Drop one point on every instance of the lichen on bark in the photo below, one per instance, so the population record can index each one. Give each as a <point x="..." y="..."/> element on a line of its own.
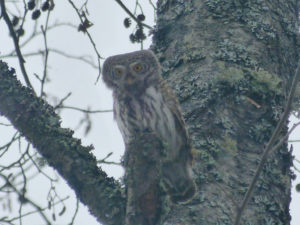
<point x="232" y="96"/>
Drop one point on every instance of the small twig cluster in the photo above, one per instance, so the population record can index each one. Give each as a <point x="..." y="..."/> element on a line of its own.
<point x="47" y="5"/>
<point x="83" y="26"/>
<point x="138" y="34"/>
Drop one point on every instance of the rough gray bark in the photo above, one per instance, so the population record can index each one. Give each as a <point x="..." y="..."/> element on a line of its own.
<point x="142" y="177"/>
<point x="231" y="64"/>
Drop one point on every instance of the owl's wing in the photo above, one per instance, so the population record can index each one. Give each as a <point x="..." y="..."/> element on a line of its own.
<point x="171" y="100"/>
<point x="177" y="174"/>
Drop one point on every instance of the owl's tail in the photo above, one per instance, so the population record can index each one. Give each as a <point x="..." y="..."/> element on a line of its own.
<point x="178" y="181"/>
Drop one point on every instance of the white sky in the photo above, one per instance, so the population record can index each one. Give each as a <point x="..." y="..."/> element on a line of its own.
<point x="67" y="75"/>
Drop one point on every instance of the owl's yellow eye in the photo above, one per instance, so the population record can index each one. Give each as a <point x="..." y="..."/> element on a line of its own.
<point x="137" y="67"/>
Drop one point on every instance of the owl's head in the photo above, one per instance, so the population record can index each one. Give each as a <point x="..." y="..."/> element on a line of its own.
<point x="132" y="72"/>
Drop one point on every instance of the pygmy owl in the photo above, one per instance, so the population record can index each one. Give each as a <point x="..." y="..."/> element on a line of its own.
<point x="143" y="101"/>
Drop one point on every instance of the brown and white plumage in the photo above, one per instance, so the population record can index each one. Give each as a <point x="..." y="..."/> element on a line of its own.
<point x="143" y="101"/>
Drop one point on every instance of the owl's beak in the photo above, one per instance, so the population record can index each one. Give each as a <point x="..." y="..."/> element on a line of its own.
<point x="129" y="79"/>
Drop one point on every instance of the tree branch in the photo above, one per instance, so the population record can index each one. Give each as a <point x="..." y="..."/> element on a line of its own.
<point x="37" y="121"/>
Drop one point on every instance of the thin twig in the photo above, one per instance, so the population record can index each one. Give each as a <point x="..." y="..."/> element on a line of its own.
<point x="81" y="58"/>
<point x="84" y="58"/>
<point x="37" y="207"/>
<point x="16" y="43"/>
<point x="6" y="125"/>
<point x="89" y="36"/>
<point x="44" y="31"/>
<point x="151" y="3"/>
<point x="138" y="5"/>
<point x="61" y="102"/>
<point x="7" y="145"/>
<point x="132" y="16"/>
<point x="268" y="148"/>
<point x="30" y="212"/>
<point x="285" y="137"/>
<point x="291" y="141"/>
<point x="36" y="33"/>
<point x="103" y="161"/>
<point x="40" y="170"/>
<point x="15" y="162"/>
<point x="75" y="213"/>
<point x="24" y="15"/>
<point x="33" y="35"/>
<point x="85" y="110"/>
<point x="295" y="168"/>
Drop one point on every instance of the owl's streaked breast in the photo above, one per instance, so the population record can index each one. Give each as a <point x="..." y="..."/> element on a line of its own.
<point x="147" y="111"/>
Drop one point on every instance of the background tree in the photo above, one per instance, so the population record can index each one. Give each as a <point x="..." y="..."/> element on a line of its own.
<point x="231" y="64"/>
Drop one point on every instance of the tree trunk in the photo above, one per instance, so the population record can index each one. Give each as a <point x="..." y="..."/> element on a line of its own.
<point x="231" y="64"/>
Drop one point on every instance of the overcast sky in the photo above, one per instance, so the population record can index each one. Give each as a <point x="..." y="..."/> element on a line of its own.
<point x="68" y="75"/>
